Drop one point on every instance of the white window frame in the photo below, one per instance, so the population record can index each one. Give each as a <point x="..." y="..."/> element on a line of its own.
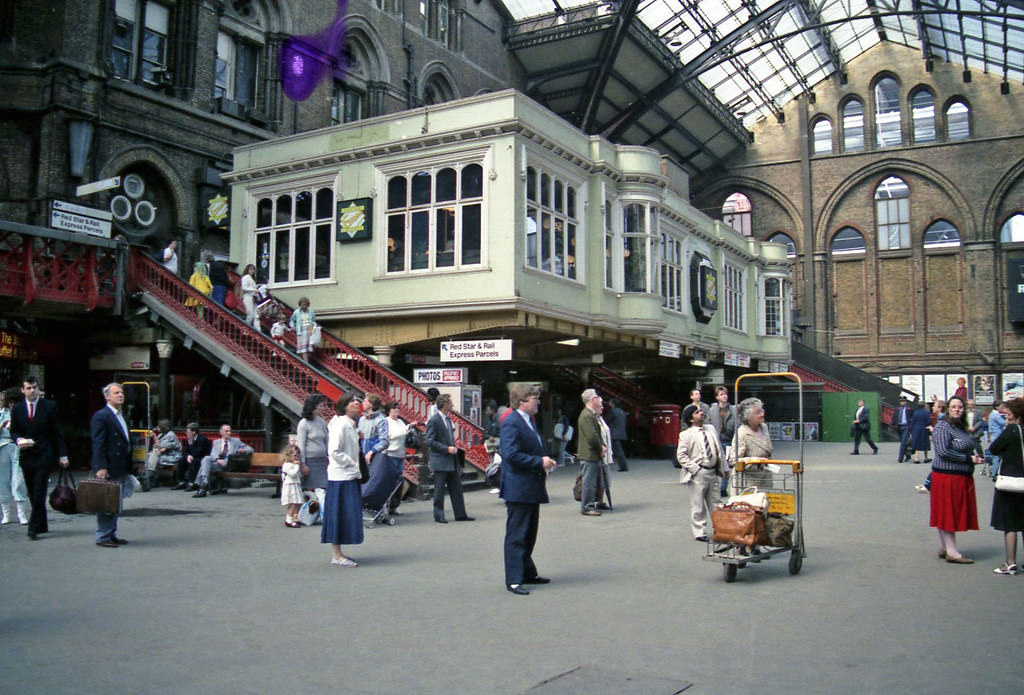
<point x="313" y="185"/>
<point x="773" y="304"/>
<point x="733" y="316"/>
<point x="892" y="217"/>
<point x="409" y="168"/>
<point x="671" y="254"/>
<point x="534" y="212"/>
<point x="644" y="241"/>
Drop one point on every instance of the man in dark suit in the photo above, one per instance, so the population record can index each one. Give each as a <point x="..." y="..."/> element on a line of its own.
<point x="40" y="440"/>
<point x="111" y="456"/>
<point x="901" y="424"/>
<point x="193" y="451"/>
<point x="524" y="470"/>
<point x="862" y="428"/>
<point x="444" y="461"/>
<point x="616" y="420"/>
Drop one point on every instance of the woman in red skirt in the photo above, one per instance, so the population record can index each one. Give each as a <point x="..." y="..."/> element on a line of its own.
<point x="954" y="506"/>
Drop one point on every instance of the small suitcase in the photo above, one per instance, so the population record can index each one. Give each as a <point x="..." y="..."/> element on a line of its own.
<point x="97" y="496"/>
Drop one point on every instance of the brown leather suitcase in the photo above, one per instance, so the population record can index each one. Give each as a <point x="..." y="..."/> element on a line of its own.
<point x="97" y="496"/>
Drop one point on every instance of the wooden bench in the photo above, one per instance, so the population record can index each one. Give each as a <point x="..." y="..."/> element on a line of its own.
<point x="261" y="467"/>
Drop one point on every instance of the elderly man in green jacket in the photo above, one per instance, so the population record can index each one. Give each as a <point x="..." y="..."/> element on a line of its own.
<point x="590" y="451"/>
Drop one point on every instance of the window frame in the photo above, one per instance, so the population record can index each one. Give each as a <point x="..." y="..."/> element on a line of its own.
<point x="637" y="241"/>
<point x="919" y="124"/>
<point x="411" y="212"/>
<point x="815" y="139"/>
<point x="541" y="207"/>
<point x="968" y="128"/>
<point x="848" y="132"/>
<point x="671" y="269"/>
<point x="861" y="251"/>
<point x="888" y="114"/>
<point x="733" y="314"/>
<point x="777" y="301"/>
<point x="885" y="209"/>
<point x="743" y="218"/>
<point x="135" y="53"/>
<point x="314" y="224"/>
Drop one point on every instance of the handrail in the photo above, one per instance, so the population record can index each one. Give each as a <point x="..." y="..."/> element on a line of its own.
<point x="256" y="351"/>
<point x="362" y="372"/>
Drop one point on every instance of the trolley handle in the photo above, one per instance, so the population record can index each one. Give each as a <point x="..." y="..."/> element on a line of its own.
<point x="742" y="463"/>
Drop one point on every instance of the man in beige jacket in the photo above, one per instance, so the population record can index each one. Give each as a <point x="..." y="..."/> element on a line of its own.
<point x="703" y="464"/>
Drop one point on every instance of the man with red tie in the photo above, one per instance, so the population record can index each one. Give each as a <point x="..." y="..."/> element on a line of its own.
<point x="40" y="440"/>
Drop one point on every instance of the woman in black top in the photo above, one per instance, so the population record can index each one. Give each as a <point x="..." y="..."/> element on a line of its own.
<point x="1008" y="507"/>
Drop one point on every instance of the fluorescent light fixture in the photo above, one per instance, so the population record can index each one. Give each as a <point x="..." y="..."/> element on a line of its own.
<point x="699" y="363"/>
<point x="571" y="342"/>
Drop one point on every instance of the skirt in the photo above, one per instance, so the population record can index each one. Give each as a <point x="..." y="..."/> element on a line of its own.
<point x="342" y="513"/>
<point x="1008" y="511"/>
<point x="317" y="476"/>
<point x="954" y="506"/>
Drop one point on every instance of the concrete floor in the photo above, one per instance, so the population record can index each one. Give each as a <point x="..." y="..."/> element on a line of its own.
<point x="215" y="596"/>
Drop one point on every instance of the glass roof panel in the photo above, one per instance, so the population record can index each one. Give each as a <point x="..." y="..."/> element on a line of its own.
<point x="769" y="64"/>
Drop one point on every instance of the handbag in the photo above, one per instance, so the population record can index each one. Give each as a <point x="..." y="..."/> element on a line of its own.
<point x="364" y="470"/>
<point x="778" y="530"/>
<point x="309" y="512"/>
<point x="1012" y="483"/>
<point x="751" y="496"/>
<point x="63" y="498"/>
<point x="738" y="523"/>
<point x="97" y="496"/>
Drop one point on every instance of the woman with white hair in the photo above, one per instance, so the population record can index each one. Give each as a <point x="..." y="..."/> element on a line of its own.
<point x="751" y="441"/>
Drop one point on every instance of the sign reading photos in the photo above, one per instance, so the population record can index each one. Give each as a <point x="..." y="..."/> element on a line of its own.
<point x="355" y="220"/>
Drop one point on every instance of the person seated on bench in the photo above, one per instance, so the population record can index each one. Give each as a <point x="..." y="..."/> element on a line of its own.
<point x="194" y="450"/>
<point x="217" y="461"/>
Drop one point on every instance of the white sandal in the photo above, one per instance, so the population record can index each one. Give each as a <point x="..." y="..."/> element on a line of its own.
<point x="1006" y="569"/>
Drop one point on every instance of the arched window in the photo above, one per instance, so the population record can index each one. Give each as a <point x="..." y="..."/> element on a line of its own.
<point x="887" y="113"/>
<point x="958" y="121"/>
<point x="847" y="241"/>
<point x="736" y="213"/>
<point x="922" y="108"/>
<point x="892" y="212"/>
<point x="437" y="90"/>
<point x="941" y="234"/>
<point x="822" y="132"/>
<point x="1013" y="229"/>
<point x="853" y="126"/>
<point x="138" y="48"/>
<point x="783" y="238"/>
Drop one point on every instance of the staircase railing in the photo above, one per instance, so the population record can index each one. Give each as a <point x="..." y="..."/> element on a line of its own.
<point x="351" y="366"/>
<point x="285" y="376"/>
<point x="637" y="400"/>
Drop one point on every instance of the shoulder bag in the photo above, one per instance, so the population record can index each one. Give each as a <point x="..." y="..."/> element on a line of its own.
<point x="1012" y="483"/>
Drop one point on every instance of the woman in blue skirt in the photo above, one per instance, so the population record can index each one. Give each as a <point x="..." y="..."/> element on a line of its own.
<point x="343" y="505"/>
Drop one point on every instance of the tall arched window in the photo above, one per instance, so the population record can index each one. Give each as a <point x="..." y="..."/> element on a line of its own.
<point x="922" y="108"/>
<point x="892" y="212"/>
<point x="847" y="241"/>
<point x="783" y="238"/>
<point x="887" y="113"/>
<point x="822" y="133"/>
<point x="941" y="234"/>
<point x="437" y="90"/>
<point x="736" y="213"/>
<point x="958" y="121"/>
<point x="853" y="126"/>
<point x="1013" y="229"/>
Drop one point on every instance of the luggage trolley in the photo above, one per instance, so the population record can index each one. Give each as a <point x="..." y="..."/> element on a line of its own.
<point x="782" y="483"/>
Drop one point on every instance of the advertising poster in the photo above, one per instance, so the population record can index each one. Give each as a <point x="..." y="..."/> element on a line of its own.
<point x="810" y="431"/>
<point x="1013" y="385"/>
<point x="983" y="387"/>
<point x="787" y="431"/>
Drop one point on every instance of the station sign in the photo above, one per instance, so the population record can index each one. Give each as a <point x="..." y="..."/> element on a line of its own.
<point x="80" y="219"/>
<point x="445" y="375"/>
<point x="666" y="348"/>
<point x="476" y="350"/>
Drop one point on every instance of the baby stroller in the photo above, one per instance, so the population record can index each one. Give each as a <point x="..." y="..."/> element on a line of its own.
<point x="384" y="483"/>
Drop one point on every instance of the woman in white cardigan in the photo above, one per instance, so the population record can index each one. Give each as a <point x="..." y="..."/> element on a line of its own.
<point x="343" y="503"/>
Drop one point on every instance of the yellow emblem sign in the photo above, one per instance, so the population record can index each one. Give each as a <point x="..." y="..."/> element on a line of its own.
<point x="217" y="209"/>
<point x="352" y="220"/>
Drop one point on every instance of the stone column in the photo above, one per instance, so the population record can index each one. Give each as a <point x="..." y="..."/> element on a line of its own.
<point x="383" y="353"/>
<point x="164" y="349"/>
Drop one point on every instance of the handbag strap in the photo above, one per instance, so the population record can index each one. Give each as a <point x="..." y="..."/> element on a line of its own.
<point x="64" y="477"/>
<point x="1020" y="432"/>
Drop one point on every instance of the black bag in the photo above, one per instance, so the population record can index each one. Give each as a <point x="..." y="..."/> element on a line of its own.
<point x="63" y="498"/>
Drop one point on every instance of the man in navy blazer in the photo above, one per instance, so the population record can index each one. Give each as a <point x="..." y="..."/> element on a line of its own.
<point x="111" y="456"/>
<point x="36" y="430"/>
<point x="524" y="470"/>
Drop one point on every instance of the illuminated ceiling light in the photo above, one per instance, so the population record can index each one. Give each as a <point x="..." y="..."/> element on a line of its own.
<point x="571" y="342"/>
<point x="699" y="363"/>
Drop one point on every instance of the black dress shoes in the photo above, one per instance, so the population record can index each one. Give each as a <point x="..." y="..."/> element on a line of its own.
<point x="180" y="486"/>
<point x="466" y="518"/>
<point x="201" y="493"/>
<point x="701" y="539"/>
<point x="32" y="536"/>
<point x="537" y="580"/>
<point x="854" y="453"/>
<point x="514" y="588"/>
<point x="107" y="544"/>
<point x="119" y="541"/>
<point x="441" y="521"/>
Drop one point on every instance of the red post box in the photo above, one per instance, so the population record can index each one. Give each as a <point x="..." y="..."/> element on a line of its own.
<point x="665" y="428"/>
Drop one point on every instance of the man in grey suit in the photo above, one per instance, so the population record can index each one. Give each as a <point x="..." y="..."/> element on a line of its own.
<point x="444" y="461"/>
<point x="217" y="461"/>
<point x="111" y="457"/>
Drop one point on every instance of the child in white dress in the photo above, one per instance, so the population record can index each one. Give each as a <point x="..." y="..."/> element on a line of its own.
<point x="291" y="485"/>
<point x="277" y="330"/>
